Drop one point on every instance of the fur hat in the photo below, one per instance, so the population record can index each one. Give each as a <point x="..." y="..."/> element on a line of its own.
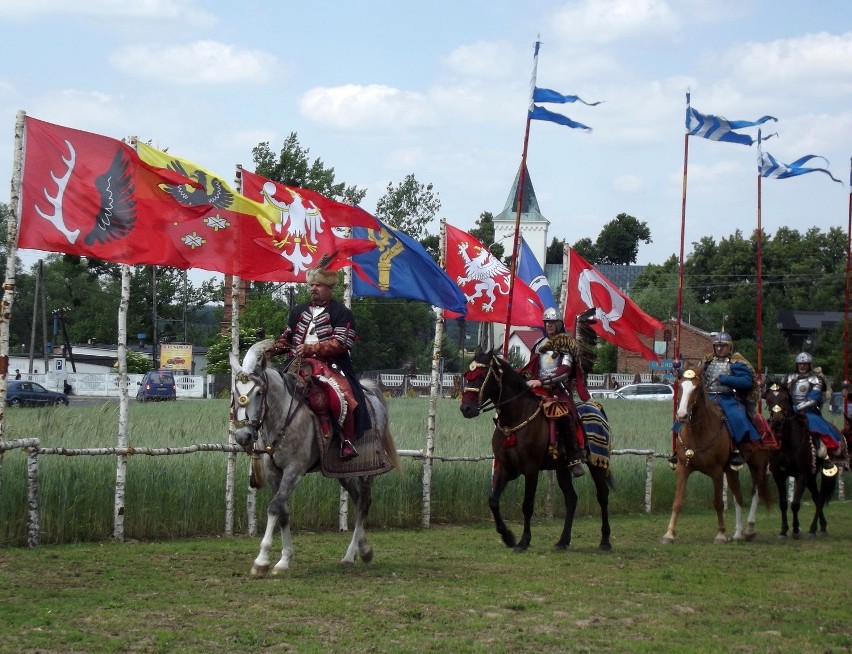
<point x="320" y="275"/>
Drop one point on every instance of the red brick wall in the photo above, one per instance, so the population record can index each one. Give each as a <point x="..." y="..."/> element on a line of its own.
<point x="695" y="344"/>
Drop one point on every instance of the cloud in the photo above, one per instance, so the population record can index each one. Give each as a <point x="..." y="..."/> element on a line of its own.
<point x="628" y="183"/>
<point x="357" y="106"/>
<point x="198" y="63"/>
<point x="812" y="61"/>
<point x="605" y="21"/>
<point x="491" y="60"/>
<point x="186" y="11"/>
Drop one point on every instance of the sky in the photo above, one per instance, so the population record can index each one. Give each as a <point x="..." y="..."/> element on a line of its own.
<point x="381" y="89"/>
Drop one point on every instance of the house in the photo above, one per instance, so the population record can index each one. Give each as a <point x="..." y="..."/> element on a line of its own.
<point x="799" y="327"/>
<point x="521" y="342"/>
<point x="695" y="345"/>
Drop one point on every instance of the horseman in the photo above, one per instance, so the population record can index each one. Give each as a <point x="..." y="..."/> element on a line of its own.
<point x="552" y="372"/>
<point x="730" y="382"/>
<point x="807" y="390"/>
<point x="323" y="332"/>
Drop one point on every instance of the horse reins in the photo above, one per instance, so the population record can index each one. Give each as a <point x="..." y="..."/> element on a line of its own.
<point x="260" y="382"/>
<point x="486" y="404"/>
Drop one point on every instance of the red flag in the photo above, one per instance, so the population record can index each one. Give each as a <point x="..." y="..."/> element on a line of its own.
<point x="303" y="224"/>
<point x="618" y="319"/>
<point x="91" y="195"/>
<point x="484" y="280"/>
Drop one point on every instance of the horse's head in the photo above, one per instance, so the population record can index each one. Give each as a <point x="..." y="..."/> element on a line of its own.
<point x="691" y="385"/>
<point x="779" y="402"/>
<point x="479" y="382"/>
<point x="248" y="401"/>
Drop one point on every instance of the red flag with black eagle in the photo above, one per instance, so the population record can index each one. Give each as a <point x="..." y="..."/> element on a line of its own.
<point x="91" y="195"/>
<point x="617" y="318"/>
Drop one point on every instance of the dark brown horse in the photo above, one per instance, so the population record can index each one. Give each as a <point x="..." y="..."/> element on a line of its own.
<point x="796" y="458"/>
<point x="703" y="445"/>
<point x="521" y="446"/>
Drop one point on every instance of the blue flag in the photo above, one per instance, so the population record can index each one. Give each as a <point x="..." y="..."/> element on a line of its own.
<point x="530" y="272"/>
<point x="548" y="95"/>
<point x="540" y="113"/>
<point x="717" y="128"/>
<point x="400" y="267"/>
<point x="772" y="168"/>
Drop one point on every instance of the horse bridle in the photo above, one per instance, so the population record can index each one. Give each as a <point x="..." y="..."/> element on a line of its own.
<point x="245" y="386"/>
<point x="691" y="375"/>
<point x="486" y="404"/>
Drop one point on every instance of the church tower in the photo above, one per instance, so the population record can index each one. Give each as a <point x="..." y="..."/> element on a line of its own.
<point x="533" y="225"/>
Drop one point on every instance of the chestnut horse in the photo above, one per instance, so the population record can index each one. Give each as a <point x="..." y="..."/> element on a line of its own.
<point x="703" y="445"/>
<point x="796" y="458"/>
<point x="520" y="444"/>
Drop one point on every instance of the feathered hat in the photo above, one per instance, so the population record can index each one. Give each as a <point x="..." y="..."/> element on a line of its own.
<point x="321" y="274"/>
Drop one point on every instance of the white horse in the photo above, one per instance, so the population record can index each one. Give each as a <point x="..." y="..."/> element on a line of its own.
<point x="275" y="424"/>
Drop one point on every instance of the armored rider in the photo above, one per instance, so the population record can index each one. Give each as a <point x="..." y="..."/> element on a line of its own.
<point x="730" y="382"/>
<point x="807" y="390"/>
<point x="323" y="329"/>
<point x="553" y="368"/>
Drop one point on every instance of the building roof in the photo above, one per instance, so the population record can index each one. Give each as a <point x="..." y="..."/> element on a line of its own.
<point x="807" y="321"/>
<point x="530" y="211"/>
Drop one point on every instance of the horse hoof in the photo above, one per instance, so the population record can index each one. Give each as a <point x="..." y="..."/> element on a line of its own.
<point x="720" y="539"/>
<point x="560" y="547"/>
<point x="667" y="540"/>
<point x="519" y="549"/>
<point x="822" y="534"/>
<point x="782" y="537"/>
<point x="259" y="570"/>
<point x="750" y="536"/>
<point x="346" y="563"/>
<point x="367" y="555"/>
<point x="796" y="536"/>
<point x="605" y="547"/>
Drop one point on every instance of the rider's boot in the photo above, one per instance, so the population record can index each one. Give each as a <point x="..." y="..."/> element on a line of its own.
<point x="736" y="461"/>
<point x="347" y="436"/>
<point x="829" y="469"/>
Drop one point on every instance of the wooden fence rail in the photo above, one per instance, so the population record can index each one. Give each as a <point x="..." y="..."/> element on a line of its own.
<point x="31" y="445"/>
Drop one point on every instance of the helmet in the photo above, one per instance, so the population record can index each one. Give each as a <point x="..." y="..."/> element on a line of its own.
<point x="723" y="338"/>
<point x="804" y="357"/>
<point x="551" y="314"/>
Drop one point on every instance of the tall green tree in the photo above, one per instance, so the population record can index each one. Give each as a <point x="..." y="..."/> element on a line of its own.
<point x="555" y="250"/>
<point x="293" y="166"/>
<point x="409" y="206"/>
<point x="618" y="242"/>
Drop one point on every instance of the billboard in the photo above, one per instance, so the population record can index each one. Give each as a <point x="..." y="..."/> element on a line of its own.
<point x="175" y="356"/>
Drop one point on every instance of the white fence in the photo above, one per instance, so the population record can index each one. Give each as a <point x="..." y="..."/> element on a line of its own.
<point x="105" y="384"/>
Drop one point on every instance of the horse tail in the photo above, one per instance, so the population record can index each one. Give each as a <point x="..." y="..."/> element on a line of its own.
<point x="826" y="488"/>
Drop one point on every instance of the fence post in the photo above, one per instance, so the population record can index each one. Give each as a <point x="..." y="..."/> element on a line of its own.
<point x="649" y="478"/>
<point x="33" y="508"/>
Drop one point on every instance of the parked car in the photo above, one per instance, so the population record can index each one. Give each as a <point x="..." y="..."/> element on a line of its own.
<point x="602" y="393"/>
<point x="647" y="391"/>
<point x="157" y="385"/>
<point x="27" y="393"/>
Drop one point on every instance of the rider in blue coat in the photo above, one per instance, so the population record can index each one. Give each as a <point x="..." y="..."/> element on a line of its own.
<point x="729" y="381"/>
<point x="807" y="389"/>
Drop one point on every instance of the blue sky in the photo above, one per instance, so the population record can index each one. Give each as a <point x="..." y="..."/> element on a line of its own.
<point x="381" y="89"/>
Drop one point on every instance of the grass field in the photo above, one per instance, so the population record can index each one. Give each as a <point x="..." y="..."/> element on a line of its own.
<point x="445" y="589"/>
<point x="184" y="496"/>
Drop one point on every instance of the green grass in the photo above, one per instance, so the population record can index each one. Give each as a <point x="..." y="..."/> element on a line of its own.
<point x="183" y="496"/>
<point x="445" y="589"/>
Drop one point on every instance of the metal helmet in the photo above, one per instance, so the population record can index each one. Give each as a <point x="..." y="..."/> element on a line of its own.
<point x="804" y="357"/>
<point x="551" y="314"/>
<point x="723" y="338"/>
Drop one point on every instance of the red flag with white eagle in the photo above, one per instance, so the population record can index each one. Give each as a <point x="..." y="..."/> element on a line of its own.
<point x="618" y="319"/>
<point x="307" y="224"/>
<point x="484" y="280"/>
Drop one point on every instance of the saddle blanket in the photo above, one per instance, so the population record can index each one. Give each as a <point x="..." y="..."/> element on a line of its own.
<point x="598" y="436"/>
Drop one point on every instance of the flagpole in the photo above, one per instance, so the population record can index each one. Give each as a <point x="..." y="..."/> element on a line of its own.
<point x="11" y="248"/>
<point x="521" y="181"/>
<point x="846" y="305"/>
<point x="676" y="364"/>
<point x="759" y="317"/>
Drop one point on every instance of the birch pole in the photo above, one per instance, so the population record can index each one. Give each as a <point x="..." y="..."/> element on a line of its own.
<point x="343" y="497"/>
<point x="11" y="253"/>
<point x="230" y="475"/>
<point x="121" y="460"/>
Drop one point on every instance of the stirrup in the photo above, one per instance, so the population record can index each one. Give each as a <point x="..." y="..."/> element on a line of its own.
<point x="829" y="469"/>
<point x="347" y="450"/>
<point x="672" y="460"/>
<point x="577" y="469"/>
<point x="736" y="461"/>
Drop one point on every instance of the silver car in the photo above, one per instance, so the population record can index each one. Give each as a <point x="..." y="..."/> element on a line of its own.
<point x="648" y="391"/>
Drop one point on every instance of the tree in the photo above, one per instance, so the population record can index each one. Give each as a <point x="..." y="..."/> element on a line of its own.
<point x="293" y="167"/>
<point x="484" y="232"/>
<point x="618" y="242"/>
<point x="586" y="249"/>
<point x="555" y="251"/>
<point x="409" y="207"/>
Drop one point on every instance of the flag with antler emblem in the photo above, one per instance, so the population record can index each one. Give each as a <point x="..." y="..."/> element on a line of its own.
<point x="484" y="280"/>
<point x="91" y="195"/>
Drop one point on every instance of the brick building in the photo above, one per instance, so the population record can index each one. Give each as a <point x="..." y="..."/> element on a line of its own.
<point x="695" y="345"/>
